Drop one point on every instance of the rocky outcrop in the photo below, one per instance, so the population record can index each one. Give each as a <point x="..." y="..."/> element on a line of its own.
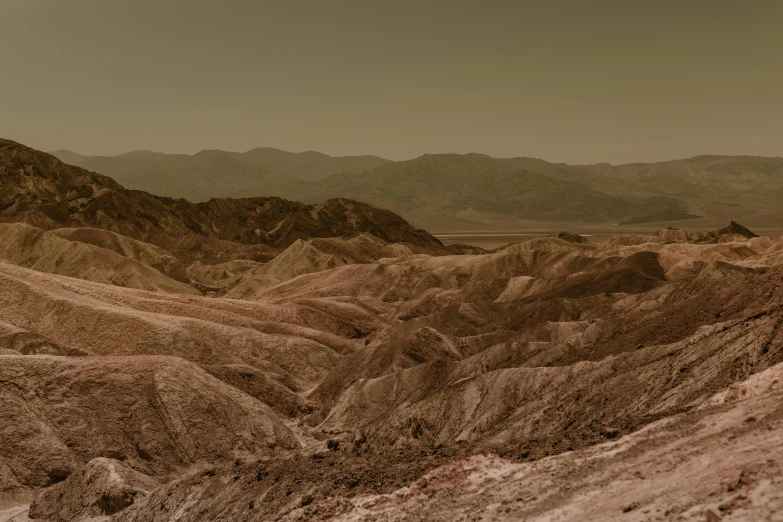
<point x="735" y="229"/>
<point x="731" y="233"/>
<point x="571" y="238"/>
<point x="102" y="487"/>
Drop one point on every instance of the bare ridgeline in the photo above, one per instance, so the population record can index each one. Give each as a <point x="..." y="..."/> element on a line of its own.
<point x="261" y="359"/>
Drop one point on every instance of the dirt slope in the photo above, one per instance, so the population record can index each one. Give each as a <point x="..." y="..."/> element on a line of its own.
<point x="156" y="414"/>
<point x="320" y="383"/>
<point x="107" y="320"/>
<point x="722" y="462"/>
<point x="59" y="253"/>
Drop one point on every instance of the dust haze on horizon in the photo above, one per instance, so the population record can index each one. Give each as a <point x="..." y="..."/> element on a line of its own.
<point x="610" y="81"/>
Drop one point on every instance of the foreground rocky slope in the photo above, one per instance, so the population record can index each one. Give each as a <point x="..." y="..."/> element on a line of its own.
<point x="353" y="378"/>
<point x="719" y="462"/>
<point x="354" y="367"/>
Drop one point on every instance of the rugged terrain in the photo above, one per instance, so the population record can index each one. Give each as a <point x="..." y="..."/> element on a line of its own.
<point x="164" y="364"/>
<point x="40" y="190"/>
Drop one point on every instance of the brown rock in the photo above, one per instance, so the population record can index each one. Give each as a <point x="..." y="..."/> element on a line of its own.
<point x="102" y="487"/>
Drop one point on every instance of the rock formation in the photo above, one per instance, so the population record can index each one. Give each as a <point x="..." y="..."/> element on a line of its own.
<point x="161" y="361"/>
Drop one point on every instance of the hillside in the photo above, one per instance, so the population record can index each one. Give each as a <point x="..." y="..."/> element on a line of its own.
<point x="260" y="359"/>
<point x="41" y="190"/>
<point x="470" y="191"/>
<point x="346" y="369"/>
<point x="418" y="364"/>
<point x="451" y="183"/>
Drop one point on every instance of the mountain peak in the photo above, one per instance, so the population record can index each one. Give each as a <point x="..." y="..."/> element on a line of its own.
<point x="737" y="229"/>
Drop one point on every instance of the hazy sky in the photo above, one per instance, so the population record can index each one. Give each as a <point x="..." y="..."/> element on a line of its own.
<point x="576" y="81"/>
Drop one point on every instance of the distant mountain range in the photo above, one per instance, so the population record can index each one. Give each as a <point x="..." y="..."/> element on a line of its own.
<point x="215" y="173"/>
<point x="468" y="191"/>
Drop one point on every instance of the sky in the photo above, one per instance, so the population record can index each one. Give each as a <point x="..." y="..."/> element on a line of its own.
<point x="570" y="81"/>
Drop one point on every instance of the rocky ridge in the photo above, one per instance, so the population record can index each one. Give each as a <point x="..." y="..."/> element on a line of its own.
<point x="40" y="190"/>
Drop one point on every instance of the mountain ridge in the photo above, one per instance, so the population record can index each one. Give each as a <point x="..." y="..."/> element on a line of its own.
<point x="39" y="189"/>
<point x="437" y="194"/>
<point x="478" y="182"/>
